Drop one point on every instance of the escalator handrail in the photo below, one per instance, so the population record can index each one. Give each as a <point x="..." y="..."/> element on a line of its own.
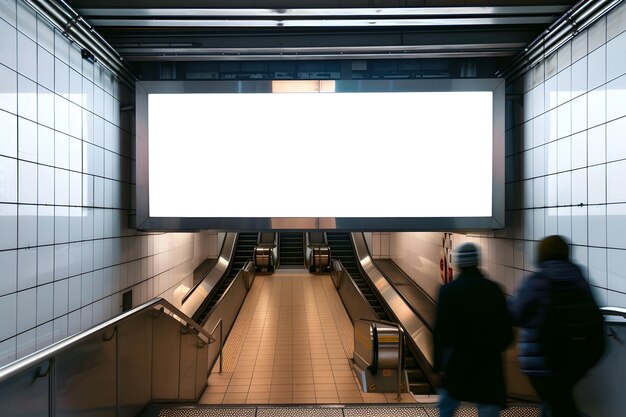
<point x="353" y="283"/>
<point x="613" y="311"/>
<point x="196" y="295"/>
<point x="413" y="309"/>
<point x="248" y="267"/>
<point x="357" y="262"/>
<point x="64" y="345"/>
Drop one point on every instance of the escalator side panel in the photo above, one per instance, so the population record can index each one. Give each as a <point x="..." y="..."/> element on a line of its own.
<point x="244" y="251"/>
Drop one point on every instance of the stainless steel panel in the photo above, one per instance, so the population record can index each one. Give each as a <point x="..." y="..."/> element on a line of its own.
<point x="226" y="309"/>
<point x="26" y="394"/>
<point x="166" y="357"/>
<point x="134" y="364"/>
<point x="85" y="378"/>
<point x="353" y="300"/>
<point x="363" y="353"/>
<point x="262" y="256"/>
<point x="202" y="367"/>
<point x="388" y="346"/>
<point x="336" y="273"/>
<point x="601" y="393"/>
<point x="188" y="357"/>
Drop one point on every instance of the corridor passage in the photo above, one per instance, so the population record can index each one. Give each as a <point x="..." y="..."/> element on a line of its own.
<point x="292" y="343"/>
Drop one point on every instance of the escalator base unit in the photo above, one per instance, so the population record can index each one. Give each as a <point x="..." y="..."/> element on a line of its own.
<point x="386" y="380"/>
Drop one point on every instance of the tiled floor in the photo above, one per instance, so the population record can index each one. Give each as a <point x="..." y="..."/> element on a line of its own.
<point x="291" y="343"/>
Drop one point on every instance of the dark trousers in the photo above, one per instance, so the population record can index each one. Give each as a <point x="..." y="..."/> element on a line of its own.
<point x="556" y="395"/>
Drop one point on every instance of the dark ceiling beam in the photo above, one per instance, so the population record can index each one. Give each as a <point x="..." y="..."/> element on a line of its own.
<point x="315" y="57"/>
<point x="140" y="53"/>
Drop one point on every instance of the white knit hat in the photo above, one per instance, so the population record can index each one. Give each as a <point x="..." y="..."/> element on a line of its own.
<point x="466" y="255"/>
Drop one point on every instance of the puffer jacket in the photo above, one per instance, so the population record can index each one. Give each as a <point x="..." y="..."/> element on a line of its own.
<point x="530" y="306"/>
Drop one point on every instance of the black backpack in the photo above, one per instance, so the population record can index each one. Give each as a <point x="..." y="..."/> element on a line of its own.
<point x="572" y="337"/>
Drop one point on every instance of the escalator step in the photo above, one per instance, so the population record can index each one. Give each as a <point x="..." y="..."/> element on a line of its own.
<point x="420" y="388"/>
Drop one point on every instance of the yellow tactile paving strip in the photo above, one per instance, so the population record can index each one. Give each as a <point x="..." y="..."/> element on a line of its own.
<point x="291" y="344"/>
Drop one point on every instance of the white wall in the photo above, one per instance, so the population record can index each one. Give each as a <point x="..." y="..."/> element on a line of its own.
<point x="66" y="181"/>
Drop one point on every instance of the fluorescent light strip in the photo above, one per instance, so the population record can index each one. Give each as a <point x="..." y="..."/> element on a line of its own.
<point x="213" y="23"/>
<point x="374" y="12"/>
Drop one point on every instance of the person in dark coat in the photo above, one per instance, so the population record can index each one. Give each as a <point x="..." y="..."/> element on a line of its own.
<point x="529" y="310"/>
<point x="472" y="329"/>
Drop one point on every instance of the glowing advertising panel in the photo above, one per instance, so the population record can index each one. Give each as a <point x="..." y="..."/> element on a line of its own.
<point x="394" y="160"/>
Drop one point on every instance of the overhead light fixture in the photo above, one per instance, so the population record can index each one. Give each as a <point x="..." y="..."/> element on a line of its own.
<point x="87" y="55"/>
<point x="322" y="22"/>
<point x="321" y="12"/>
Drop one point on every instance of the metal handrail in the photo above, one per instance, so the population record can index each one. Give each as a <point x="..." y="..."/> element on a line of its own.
<point x="345" y="271"/>
<point x="248" y="264"/>
<point x="55" y="349"/>
<point x="221" y="326"/>
<point x="223" y="262"/>
<point x="613" y="311"/>
<point x="248" y="269"/>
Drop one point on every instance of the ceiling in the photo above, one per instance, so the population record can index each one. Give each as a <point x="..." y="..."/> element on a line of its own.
<point x="249" y="30"/>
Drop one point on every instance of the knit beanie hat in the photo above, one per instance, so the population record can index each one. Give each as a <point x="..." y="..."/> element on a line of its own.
<point x="552" y="248"/>
<point x="466" y="255"/>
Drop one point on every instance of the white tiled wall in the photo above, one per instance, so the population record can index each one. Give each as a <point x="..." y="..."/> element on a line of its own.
<point x="565" y="170"/>
<point x="66" y="161"/>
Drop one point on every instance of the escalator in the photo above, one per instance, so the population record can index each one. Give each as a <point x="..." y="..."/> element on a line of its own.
<point x="341" y="249"/>
<point x="244" y="251"/>
<point x="291" y="249"/>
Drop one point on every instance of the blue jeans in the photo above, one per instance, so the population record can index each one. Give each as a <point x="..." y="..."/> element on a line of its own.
<point x="448" y="405"/>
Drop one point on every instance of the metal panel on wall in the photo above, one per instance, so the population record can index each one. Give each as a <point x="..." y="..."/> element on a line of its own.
<point x="166" y="358"/>
<point x="202" y="365"/>
<point x="134" y="364"/>
<point x="188" y="355"/>
<point x="26" y="394"/>
<point x="226" y="309"/>
<point x="85" y="378"/>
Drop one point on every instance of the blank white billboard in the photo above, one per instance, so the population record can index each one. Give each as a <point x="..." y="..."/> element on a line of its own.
<point x="390" y="154"/>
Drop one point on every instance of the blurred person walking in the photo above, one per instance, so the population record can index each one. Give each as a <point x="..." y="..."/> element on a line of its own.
<point x="472" y="329"/>
<point x="562" y="329"/>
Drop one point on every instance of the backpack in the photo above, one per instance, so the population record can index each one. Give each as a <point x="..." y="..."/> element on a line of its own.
<point x="572" y="336"/>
